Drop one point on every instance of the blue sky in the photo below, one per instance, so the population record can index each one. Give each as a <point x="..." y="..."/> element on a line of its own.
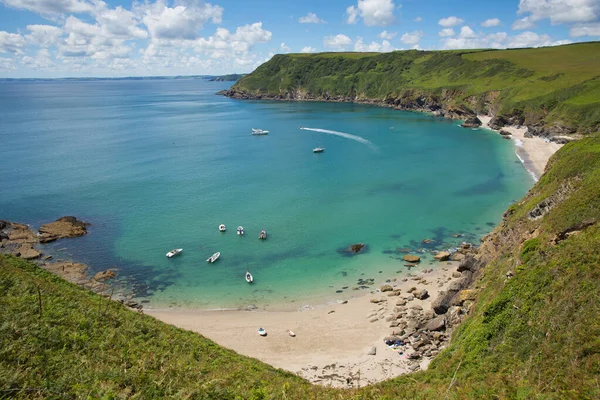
<point x="61" y="38"/>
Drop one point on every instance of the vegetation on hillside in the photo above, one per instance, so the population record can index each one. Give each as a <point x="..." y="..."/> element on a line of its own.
<point x="533" y="331"/>
<point x="555" y="88"/>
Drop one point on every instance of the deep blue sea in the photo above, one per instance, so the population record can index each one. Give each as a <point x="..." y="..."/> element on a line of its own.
<point x="159" y="164"/>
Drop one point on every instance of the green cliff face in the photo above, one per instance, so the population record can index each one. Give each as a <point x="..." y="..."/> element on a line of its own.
<point x="554" y="90"/>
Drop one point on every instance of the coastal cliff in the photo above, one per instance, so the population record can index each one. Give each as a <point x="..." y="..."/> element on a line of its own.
<point x="558" y="97"/>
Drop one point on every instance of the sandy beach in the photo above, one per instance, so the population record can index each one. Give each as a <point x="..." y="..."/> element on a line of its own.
<point x="332" y="342"/>
<point x="533" y="152"/>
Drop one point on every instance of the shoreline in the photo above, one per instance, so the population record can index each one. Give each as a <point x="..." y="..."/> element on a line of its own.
<point x="333" y="341"/>
<point x="533" y="152"/>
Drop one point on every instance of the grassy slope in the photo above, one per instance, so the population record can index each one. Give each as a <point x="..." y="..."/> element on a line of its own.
<point x="535" y="335"/>
<point x="558" y="84"/>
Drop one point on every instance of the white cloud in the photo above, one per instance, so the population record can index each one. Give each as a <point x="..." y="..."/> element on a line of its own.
<point x="467" y="39"/>
<point x="450" y="21"/>
<point x="592" y="29"/>
<point x="284" y="48"/>
<point x="466" y="32"/>
<point x="446" y="32"/>
<point x="489" y="23"/>
<point x="42" y="60"/>
<point x="308" y="49"/>
<point x="11" y="42"/>
<point x="387" y="35"/>
<point x="382" y="47"/>
<point x="310" y="18"/>
<point x="373" y="12"/>
<point x="560" y="11"/>
<point x="52" y="7"/>
<point x="43" y="35"/>
<point x="523" y="23"/>
<point x="337" y="42"/>
<point x="7" y="64"/>
<point x="224" y="43"/>
<point x="412" y="37"/>
<point x="418" y="19"/>
<point x="179" y="22"/>
<point x="120" y="23"/>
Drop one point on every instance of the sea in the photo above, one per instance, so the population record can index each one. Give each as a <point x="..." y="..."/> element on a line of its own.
<point x="155" y="165"/>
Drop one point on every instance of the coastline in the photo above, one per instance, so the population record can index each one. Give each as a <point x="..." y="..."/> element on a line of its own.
<point x="332" y="341"/>
<point x="533" y="152"/>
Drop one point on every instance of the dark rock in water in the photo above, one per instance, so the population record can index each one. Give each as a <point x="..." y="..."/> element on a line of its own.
<point x="65" y="227"/>
<point x="339" y="291"/>
<point x="403" y="250"/>
<point x="504" y="132"/>
<point x="344" y="287"/>
<point x="387" y="252"/>
<point x="471" y="122"/>
<point x="427" y="241"/>
<point x="354" y="249"/>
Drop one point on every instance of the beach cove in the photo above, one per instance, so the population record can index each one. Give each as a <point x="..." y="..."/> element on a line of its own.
<point x="335" y="331"/>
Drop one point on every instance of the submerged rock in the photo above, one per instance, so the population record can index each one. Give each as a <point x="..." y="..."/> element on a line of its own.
<point x="471" y="122"/>
<point x="354" y="249"/>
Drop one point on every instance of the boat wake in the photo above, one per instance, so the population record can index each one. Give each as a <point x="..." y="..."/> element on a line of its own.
<point x="344" y="135"/>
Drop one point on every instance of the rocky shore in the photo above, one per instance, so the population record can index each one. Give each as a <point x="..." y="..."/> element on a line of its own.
<point x="22" y="241"/>
<point x="443" y="104"/>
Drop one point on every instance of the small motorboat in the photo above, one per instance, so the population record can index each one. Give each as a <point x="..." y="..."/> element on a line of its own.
<point x="222" y="228"/>
<point x="318" y="149"/>
<point x="214" y="257"/>
<point x="262" y="331"/>
<point x="263" y="235"/>
<point x="249" y="277"/>
<point x="174" y="252"/>
<point x="291" y="333"/>
<point x="259" y="132"/>
<point x="240" y="230"/>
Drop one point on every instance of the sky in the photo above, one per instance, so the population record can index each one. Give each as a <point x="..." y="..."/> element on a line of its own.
<point x="115" y="38"/>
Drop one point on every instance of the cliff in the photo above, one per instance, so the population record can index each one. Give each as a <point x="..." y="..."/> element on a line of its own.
<point x="555" y="91"/>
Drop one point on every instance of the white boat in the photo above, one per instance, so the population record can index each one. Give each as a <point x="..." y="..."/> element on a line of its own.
<point x="318" y="149"/>
<point x="214" y="257"/>
<point x="222" y="228"/>
<point x="249" y="277"/>
<point x="262" y="331"/>
<point x="259" y="132"/>
<point x="174" y="252"/>
<point x="263" y="234"/>
<point x="240" y="230"/>
<point x="291" y="333"/>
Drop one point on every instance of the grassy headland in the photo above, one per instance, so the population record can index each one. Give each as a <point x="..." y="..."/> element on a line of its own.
<point x="533" y="330"/>
<point x="554" y="90"/>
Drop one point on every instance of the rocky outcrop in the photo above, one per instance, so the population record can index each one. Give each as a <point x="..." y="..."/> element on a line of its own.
<point x="442" y="256"/>
<point x="471" y="122"/>
<point x="411" y="258"/>
<point x="65" y="227"/>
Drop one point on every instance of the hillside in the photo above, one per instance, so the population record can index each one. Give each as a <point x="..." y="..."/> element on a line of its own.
<point x="553" y="90"/>
<point x="533" y="330"/>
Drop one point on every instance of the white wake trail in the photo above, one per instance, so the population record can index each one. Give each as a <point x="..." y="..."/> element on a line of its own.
<point x="344" y="135"/>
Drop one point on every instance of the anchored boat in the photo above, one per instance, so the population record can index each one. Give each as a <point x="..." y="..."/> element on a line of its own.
<point x="259" y="132"/>
<point x="318" y="149"/>
<point x="249" y="277"/>
<point x="263" y="235"/>
<point x="214" y="257"/>
<point x="222" y="228"/>
<point x="240" y="230"/>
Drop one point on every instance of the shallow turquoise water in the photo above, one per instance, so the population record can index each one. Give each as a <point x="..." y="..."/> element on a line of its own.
<point x="155" y="165"/>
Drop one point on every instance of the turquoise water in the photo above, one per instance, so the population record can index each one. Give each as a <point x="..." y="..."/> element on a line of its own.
<point x="156" y="165"/>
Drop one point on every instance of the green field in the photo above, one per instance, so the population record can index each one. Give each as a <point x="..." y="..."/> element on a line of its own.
<point x="535" y="335"/>
<point x="550" y="87"/>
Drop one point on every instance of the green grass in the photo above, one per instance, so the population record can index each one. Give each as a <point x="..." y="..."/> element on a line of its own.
<point x="553" y="85"/>
<point x="535" y="335"/>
